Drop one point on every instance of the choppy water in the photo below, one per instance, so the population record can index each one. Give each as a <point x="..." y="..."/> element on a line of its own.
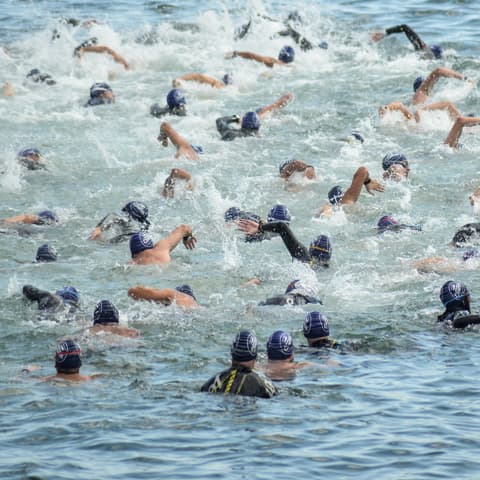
<point x="404" y="406"/>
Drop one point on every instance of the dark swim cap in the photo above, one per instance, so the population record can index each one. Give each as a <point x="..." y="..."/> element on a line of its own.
<point x="46" y="253"/>
<point x="321" y="248"/>
<point x="470" y="253"/>
<point x="386" y="221"/>
<point x="233" y="213"/>
<point x="68" y="356"/>
<point x="175" y="98"/>
<point x="279" y="346"/>
<point x="97" y="89"/>
<point x="227" y="79"/>
<point x="287" y="54"/>
<point x="138" y="211"/>
<point x="467" y="234"/>
<point x="452" y="291"/>
<point x="251" y="121"/>
<point x="244" y="346"/>
<point x="437" y="51"/>
<point x="323" y="45"/>
<point x="139" y="242"/>
<point x="315" y="325"/>
<point x="335" y="195"/>
<point x="394" y="158"/>
<point x="28" y="152"/>
<point x="279" y="213"/>
<point x="48" y="216"/>
<point x="105" y="312"/>
<point x="416" y="84"/>
<point x="357" y="136"/>
<point x="187" y="289"/>
<point x="69" y="295"/>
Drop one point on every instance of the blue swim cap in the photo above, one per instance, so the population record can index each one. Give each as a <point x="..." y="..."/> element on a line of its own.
<point x="386" y="221"/>
<point x="105" y="312"/>
<point x="46" y="253"/>
<point x="68" y="356"/>
<point x="69" y="295"/>
<point x="470" y="253"/>
<point x="287" y="54"/>
<point x="279" y="346"/>
<point x="138" y="211"/>
<point x="394" y="158"/>
<point x="28" y="152"/>
<point x="416" y="84"/>
<point x="48" y="216"/>
<point x="244" y="346"/>
<point x="227" y="79"/>
<point x="453" y="290"/>
<point x="175" y="98"/>
<point x="279" y="213"/>
<point x="97" y="89"/>
<point x="251" y="121"/>
<point x="315" y="325"/>
<point x="321" y="248"/>
<point x="335" y="195"/>
<point x="357" y="136"/>
<point x="233" y="213"/>
<point x="139" y="242"/>
<point x="197" y="148"/>
<point x="187" y="289"/>
<point x="323" y="45"/>
<point x="437" y="51"/>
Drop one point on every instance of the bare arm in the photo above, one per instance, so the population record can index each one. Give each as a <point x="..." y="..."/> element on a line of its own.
<point x="425" y="89"/>
<point x="169" y="186"/>
<point x="164" y="295"/>
<point x="396" y="107"/>
<point x="198" y="77"/>
<point x="449" y="106"/>
<point x="105" y="49"/>
<point x="457" y="129"/>
<point x="280" y="103"/>
<point x="298" y="166"/>
<point x="267" y="61"/>
<point x="361" y="178"/>
<point x="184" y="148"/>
<point x="181" y="233"/>
<point x="24" y="218"/>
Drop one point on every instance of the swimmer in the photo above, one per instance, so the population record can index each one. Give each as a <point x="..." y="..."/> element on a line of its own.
<point x="337" y="197"/>
<point x="145" y="252"/>
<point x="317" y="255"/>
<point x="37" y="77"/>
<point x="31" y="159"/>
<point x="227" y="79"/>
<point x="46" y="253"/>
<point x="467" y="235"/>
<point x="290" y="167"/>
<point x="456" y="300"/>
<point x="171" y="180"/>
<point x="100" y="94"/>
<point x="395" y="166"/>
<point x="45" y="217"/>
<point x="285" y="57"/>
<point x="468" y="260"/>
<point x="457" y="130"/>
<point x="184" y="149"/>
<point x="90" y="45"/>
<point x="67" y="298"/>
<point x="106" y="320"/>
<point x="234" y="214"/>
<point x="317" y="331"/>
<point x="182" y="295"/>
<point x="117" y="227"/>
<point x="278" y="213"/>
<point x="296" y="293"/>
<point x="240" y="378"/>
<point x="176" y="105"/>
<point x="434" y="51"/>
<point x="449" y="107"/>
<point x="388" y="224"/>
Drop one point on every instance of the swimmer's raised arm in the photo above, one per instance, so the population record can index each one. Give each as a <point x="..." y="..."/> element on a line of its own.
<point x="457" y="129"/>
<point x="267" y="61"/>
<point x="170" y="181"/>
<point x="181" y="233"/>
<point x="412" y="36"/>
<point x="361" y="178"/>
<point x="280" y="103"/>
<point x="104" y="49"/>
<point x="449" y="106"/>
<point x="183" y="146"/>
<point x="396" y="106"/>
<point x="425" y="89"/>
<point x="289" y="168"/>
<point x="198" y="77"/>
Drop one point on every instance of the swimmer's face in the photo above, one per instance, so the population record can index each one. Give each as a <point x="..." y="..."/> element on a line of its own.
<point x="396" y="173"/>
<point x="109" y="95"/>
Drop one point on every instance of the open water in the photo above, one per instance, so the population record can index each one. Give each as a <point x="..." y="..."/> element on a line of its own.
<point x="405" y="405"/>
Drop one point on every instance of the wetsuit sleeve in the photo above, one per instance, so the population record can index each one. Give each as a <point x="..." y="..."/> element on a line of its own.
<point x="297" y="250"/>
<point x="415" y="40"/>
<point x="45" y="299"/>
<point x="158" y="111"/>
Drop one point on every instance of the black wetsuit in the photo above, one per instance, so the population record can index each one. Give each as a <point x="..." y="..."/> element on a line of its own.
<point x="228" y="133"/>
<point x="415" y="40"/>
<point x="290" y="299"/>
<point x="469" y="233"/>
<point x="46" y="300"/>
<point x="297" y="38"/>
<point x="117" y="228"/>
<point x="240" y="380"/>
<point x="157" y="111"/>
<point x="460" y="318"/>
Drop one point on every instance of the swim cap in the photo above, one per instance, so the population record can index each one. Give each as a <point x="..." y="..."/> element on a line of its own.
<point x="175" y="98"/>
<point x="244" y="346"/>
<point x="227" y="79"/>
<point x="68" y="356"/>
<point x="416" y="84"/>
<point x="138" y="211"/>
<point x="453" y="290"/>
<point x="28" y="152"/>
<point x="471" y="253"/>
<point x="321" y="248"/>
<point x="86" y="43"/>
<point x="69" y="295"/>
<point x="394" y="158"/>
<point x="187" y="289"/>
<point x="285" y="164"/>
<point x="105" y="312"/>
<point x="48" y="216"/>
<point x="335" y="195"/>
<point x="357" y="136"/>
<point x="36" y="77"/>
<point x="323" y="45"/>
<point x="315" y="325"/>
<point x="279" y="346"/>
<point x="233" y="213"/>
<point x="46" y="253"/>
<point x="139" y="242"/>
<point x="287" y="54"/>
<point x="386" y="221"/>
<point x="97" y="89"/>
<point x="468" y="233"/>
<point x="251" y="121"/>
<point x="437" y="51"/>
<point x="279" y="213"/>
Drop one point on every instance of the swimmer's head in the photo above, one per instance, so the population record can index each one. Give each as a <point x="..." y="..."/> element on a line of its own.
<point x="187" y="289"/>
<point x="470" y="253"/>
<point x="69" y="295"/>
<point x="437" y="51"/>
<point x="279" y="213"/>
<point x="286" y="54"/>
<point x="321" y="249"/>
<point x="105" y="312"/>
<point x="32" y="154"/>
<point x="47" y="216"/>
<point x="299" y="287"/>
<point x="452" y="291"/>
<point x="139" y="242"/>
<point x="138" y="211"/>
<point x="232" y="214"/>
<point x="386" y="221"/>
<point x="416" y="84"/>
<point x="100" y="93"/>
<point x="467" y="234"/>
<point x="251" y="121"/>
<point x="394" y="159"/>
<point x="68" y="357"/>
<point x="323" y="45"/>
<point x="356" y="135"/>
<point x="315" y="325"/>
<point x="227" y="79"/>
<point x="279" y="346"/>
<point x="46" y="253"/>
<point x="335" y="195"/>
<point x="176" y="99"/>
<point x="244" y="347"/>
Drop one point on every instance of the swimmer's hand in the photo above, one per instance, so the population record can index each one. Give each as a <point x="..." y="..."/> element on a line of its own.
<point x="326" y="211"/>
<point x="374" y="185"/>
<point x="162" y="138"/>
<point x="230" y="55"/>
<point x="377" y="36"/>
<point x="189" y="241"/>
<point x="248" y="226"/>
